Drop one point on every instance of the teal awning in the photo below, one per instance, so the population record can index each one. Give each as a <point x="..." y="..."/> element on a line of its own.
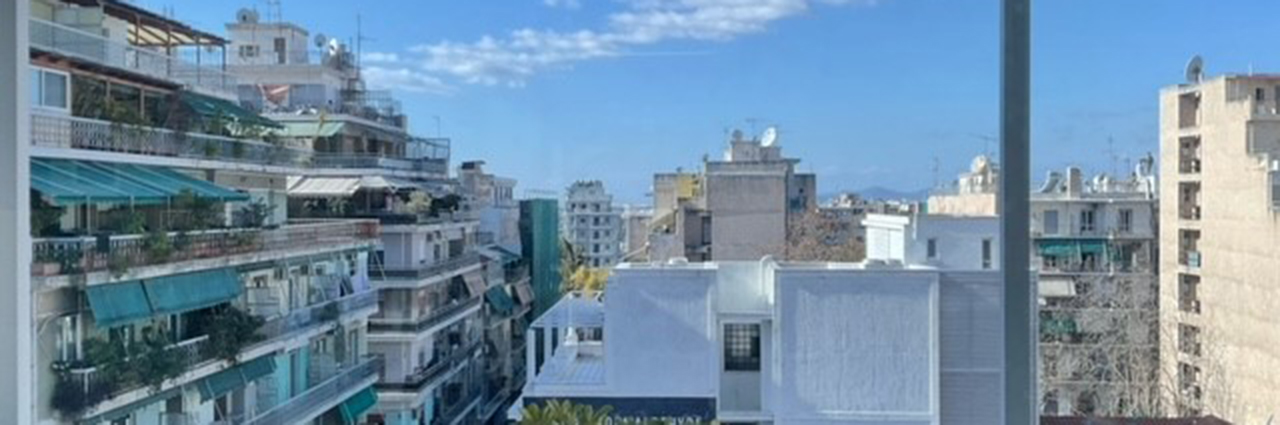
<point x="71" y="182"/>
<point x="118" y="303"/>
<point x="357" y="405"/>
<point x="209" y="107"/>
<point x="1072" y="247"/>
<point x="192" y="291"/>
<point x="500" y="300"/>
<point x="310" y="128"/>
<point x="1058" y="326"/>
<point x="234" y="377"/>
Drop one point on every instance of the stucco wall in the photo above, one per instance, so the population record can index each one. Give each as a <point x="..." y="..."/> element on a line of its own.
<point x="668" y="317"/>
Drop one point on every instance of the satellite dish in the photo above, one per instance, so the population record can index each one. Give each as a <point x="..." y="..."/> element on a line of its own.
<point x="1195" y="70"/>
<point x="770" y="137"/>
<point x="736" y="135"/>
<point x="320" y="40"/>
<point x="247" y="16"/>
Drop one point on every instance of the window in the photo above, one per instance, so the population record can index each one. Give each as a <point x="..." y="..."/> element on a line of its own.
<point x="1086" y="221"/>
<point x="1260" y="94"/>
<point x="742" y="347"/>
<point x="1051" y="222"/>
<point x="249" y="51"/>
<point x="986" y="254"/>
<point x="932" y="248"/>
<point x="49" y="89"/>
<point x="279" y="49"/>
<point x="1126" y="220"/>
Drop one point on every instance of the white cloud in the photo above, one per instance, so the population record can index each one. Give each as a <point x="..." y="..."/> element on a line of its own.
<point x="512" y="59"/>
<point x="380" y="57"/>
<point x="405" y="79"/>
<point x="567" y="4"/>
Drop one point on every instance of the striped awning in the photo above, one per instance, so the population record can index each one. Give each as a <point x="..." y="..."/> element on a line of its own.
<point x="500" y="300"/>
<point x="192" y="291"/>
<point x="353" y="407"/>
<point x="324" y="187"/>
<point x="115" y="304"/>
<point x="73" y="182"/>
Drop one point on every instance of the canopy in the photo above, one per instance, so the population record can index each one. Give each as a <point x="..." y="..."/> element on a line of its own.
<point x="118" y="303"/>
<point x="1072" y="247"/>
<point x="1056" y="287"/>
<point x="500" y="300"/>
<point x="234" y="377"/>
<point x="321" y="187"/>
<point x="361" y="402"/>
<point x="72" y="182"/>
<point x="499" y="254"/>
<point x="192" y="291"/>
<point x="310" y="128"/>
<point x="1058" y="326"/>
<point x="524" y="293"/>
<point x="475" y="283"/>
<point x="208" y="107"/>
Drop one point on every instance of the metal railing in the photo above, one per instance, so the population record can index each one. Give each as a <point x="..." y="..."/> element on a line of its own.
<point x="373" y="160"/>
<point x="63" y="256"/>
<point x="321" y="394"/>
<point x="317" y="314"/>
<point x="88" y="378"/>
<point x="436" y="316"/>
<point x="447" y="266"/>
<point x="433" y="372"/>
<point x="464" y="404"/>
<point x="55" y="130"/>
<point x="85" y="45"/>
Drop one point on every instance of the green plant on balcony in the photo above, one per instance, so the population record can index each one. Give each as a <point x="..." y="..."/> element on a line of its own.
<point x="195" y="213"/>
<point x="211" y="149"/>
<point x="157" y="246"/>
<point x="230" y="330"/>
<point x="154" y="362"/>
<point x="124" y="221"/>
<point x="127" y="124"/>
<point x="118" y="264"/>
<point x="253" y="215"/>
<point x="561" y="412"/>
<point x="71" y="396"/>
<point x="44" y="217"/>
<point x="237" y="150"/>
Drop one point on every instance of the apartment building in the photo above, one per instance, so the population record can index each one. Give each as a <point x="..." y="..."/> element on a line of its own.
<point x="635" y="232"/>
<point x="171" y="286"/>
<point x="492" y="199"/>
<point x="592" y="224"/>
<point x="540" y="249"/>
<point x="737" y="208"/>
<point x="1095" y="251"/>
<point x="765" y="342"/>
<point x="1219" y="198"/>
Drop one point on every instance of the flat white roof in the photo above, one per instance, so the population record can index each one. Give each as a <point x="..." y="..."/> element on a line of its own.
<point x="576" y="310"/>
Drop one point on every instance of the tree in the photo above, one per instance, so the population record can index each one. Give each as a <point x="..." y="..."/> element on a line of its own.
<point x="563" y="412"/>
<point x="814" y="236"/>
<point x="230" y="330"/>
<point x="586" y="279"/>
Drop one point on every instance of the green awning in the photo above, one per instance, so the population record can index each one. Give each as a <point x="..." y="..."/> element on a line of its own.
<point x="500" y="300"/>
<point x="118" y="303"/>
<point x="72" y="182"/>
<point x="234" y="377"/>
<point x="192" y="291"/>
<point x="1058" y="326"/>
<point x="1072" y="247"/>
<point x="358" y="404"/>
<point x="310" y="129"/>
<point x="210" y="107"/>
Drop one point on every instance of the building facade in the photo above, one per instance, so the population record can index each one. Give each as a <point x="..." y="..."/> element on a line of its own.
<point x="786" y="343"/>
<point x="737" y="208"/>
<point x="1219" y="138"/>
<point x="540" y="249"/>
<point x="592" y="224"/>
<point x="171" y="284"/>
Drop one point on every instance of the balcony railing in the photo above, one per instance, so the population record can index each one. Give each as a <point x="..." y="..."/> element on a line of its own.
<point x="64" y="131"/>
<point x="432" y="373"/>
<point x="438" y="268"/>
<point x="354" y="160"/>
<point x="463" y="406"/>
<point x="436" y="316"/>
<point x="63" y="256"/>
<point x="320" y="395"/>
<point x="96" y="389"/>
<point x="317" y="314"/>
<point x="92" y="47"/>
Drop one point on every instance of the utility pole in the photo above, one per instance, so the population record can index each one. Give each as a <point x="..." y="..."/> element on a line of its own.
<point x="1020" y="391"/>
<point x="17" y="355"/>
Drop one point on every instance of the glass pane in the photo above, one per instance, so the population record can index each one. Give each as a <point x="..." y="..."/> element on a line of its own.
<point x="55" y="90"/>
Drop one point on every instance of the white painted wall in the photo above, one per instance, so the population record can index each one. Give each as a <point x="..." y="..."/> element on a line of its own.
<point x="660" y="334"/>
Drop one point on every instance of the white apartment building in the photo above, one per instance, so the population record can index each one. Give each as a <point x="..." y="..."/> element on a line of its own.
<point x="592" y="224"/>
<point x="777" y="343"/>
<point x="1220" y="241"/>
<point x="941" y="241"/>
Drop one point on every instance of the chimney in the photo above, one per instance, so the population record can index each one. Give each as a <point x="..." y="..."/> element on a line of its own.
<point x="1075" y="181"/>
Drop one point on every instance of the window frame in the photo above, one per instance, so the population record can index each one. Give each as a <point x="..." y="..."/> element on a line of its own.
<point x="38" y="94"/>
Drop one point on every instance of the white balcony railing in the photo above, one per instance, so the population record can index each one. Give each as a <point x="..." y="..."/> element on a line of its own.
<point x="85" y="45"/>
<point x="54" y="130"/>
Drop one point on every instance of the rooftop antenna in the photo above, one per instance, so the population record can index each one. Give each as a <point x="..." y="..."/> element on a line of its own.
<point x="1111" y="151"/>
<point x="936" y="166"/>
<point x="360" y="39"/>
<point x="752" y="122"/>
<point x="986" y="142"/>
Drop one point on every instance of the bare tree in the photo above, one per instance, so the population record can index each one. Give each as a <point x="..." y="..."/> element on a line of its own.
<point x="814" y="236"/>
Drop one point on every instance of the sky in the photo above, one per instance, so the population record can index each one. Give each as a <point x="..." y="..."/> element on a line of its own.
<point x="891" y="93"/>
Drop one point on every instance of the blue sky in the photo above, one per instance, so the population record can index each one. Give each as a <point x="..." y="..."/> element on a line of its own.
<point x="865" y="92"/>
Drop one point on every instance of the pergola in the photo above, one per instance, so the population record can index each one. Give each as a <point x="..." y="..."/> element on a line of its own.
<point x="150" y="29"/>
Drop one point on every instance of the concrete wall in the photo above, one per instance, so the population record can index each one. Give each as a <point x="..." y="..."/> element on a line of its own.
<point x="749" y="214"/>
<point x="856" y="347"/>
<point x="660" y="330"/>
<point x="969" y="204"/>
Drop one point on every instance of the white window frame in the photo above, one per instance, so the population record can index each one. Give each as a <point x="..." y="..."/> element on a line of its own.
<point x="38" y="91"/>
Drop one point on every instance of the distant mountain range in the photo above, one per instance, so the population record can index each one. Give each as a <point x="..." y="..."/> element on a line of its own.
<point x="882" y="193"/>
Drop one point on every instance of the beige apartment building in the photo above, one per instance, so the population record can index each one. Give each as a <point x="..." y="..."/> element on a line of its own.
<point x="1221" y="239"/>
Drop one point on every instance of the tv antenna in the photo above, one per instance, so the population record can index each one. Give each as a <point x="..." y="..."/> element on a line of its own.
<point x="986" y="142"/>
<point x="360" y="39"/>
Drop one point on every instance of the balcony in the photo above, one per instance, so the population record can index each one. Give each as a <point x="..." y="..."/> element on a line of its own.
<point x="1191" y="259"/>
<point x="1189" y="212"/>
<point x="439" y="268"/>
<point x="74" y="255"/>
<point x="52" y="130"/>
<point x="86" y="46"/>
<point x="322" y="396"/>
<point x="380" y="161"/>
<point x="434" y="372"/>
<point x="318" y="314"/>
<point x="437" y="316"/>
<point x="459" y="409"/>
<point x="95" y="389"/>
